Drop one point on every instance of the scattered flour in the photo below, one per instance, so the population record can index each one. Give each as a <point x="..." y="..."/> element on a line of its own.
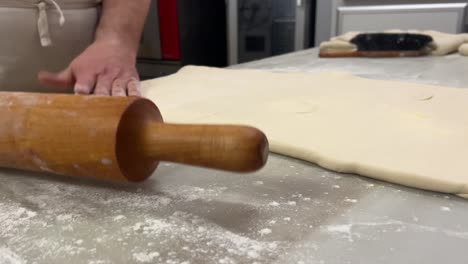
<point x="356" y="230"/>
<point x="191" y="193"/>
<point x="40" y="225"/>
<point x="265" y="231"/>
<point x="195" y="230"/>
<point x="64" y="217"/>
<point x="41" y="164"/>
<point x="350" y="200"/>
<point x="9" y="257"/>
<point x="144" y="257"/>
<point x="97" y="262"/>
<point x="274" y="204"/>
<point x="13" y="218"/>
<point x="119" y="217"/>
<point x="145" y="223"/>
<point x="445" y="209"/>
<point x="226" y="260"/>
<point x="106" y="161"/>
<point x="345" y="229"/>
<point x="151" y="226"/>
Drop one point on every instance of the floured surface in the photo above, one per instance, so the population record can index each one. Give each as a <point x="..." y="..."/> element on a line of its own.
<point x="410" y="134"/>
<point x="48" y="220"/>
<point x="191" y="215"/>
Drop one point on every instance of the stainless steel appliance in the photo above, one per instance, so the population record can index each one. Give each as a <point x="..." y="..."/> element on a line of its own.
<point x="264" y="28"/>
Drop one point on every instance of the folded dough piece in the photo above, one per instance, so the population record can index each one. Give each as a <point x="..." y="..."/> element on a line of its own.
<point x="337" y="45"/>
<point x="346" y="37"/>
<point x="463" y="49"/>
<point x="445" y="43"/>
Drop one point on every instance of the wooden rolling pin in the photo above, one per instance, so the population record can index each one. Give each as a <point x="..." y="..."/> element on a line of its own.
<point x="115" y="138"/>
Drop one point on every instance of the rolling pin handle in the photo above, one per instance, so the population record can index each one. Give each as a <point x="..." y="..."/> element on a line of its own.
<point x="224" y="147"/>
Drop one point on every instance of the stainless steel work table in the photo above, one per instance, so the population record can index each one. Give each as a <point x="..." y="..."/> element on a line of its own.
<point x="289" y="212"/>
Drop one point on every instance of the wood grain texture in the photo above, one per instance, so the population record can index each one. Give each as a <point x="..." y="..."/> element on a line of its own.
<point x="233" y="148"/>
<point x="114" y="138"/>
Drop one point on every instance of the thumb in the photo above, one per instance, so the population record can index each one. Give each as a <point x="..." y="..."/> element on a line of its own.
<point x="61" y="80"/>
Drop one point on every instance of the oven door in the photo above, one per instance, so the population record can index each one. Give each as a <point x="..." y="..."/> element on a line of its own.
<point x="263" y="28"/>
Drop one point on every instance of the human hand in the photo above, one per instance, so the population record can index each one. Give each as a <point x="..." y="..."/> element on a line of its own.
<point x="106" y="67"/>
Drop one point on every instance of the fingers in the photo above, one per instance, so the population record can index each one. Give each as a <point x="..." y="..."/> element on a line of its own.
<point x="104" y="84"/>
<point x="110" y="82"/>
<point x="61" y="80"/>
<point x="119" y="87"/>
<point x="133" y="87"/>
<point x="84" y="83"/>
<point x="126" y="86"/>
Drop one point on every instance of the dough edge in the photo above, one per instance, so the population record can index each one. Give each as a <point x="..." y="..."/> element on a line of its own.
<point x="382" y="174"/>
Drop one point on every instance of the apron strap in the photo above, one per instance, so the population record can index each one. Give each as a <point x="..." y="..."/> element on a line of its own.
<point x="43" y="22"/>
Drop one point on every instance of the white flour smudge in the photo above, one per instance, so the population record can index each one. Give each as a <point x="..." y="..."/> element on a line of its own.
<point x="265" y="231"/>
<point x="258" y="183"/>
<point x="65" y="224"/>
<point x="61" y="222"/>
<point x="187" y="227"/>
<point x="9" y="257"/>
<point x="106" y="161"/>
<point x="191" y="193"/>
<point x="345" y="229"/>
<point x="65" y="217"/>
<point x="445" y="209"/>
<point x="119" y="217"/>
<point x="145" y="257"/>
<point x="356" y="230"/>
<point x="13" y="218"/>
<point x="151" y="226"/>
<point x="41" y="164"/>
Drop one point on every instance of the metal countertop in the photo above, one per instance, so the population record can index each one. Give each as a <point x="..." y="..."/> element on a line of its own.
<point x="289" y="212"/>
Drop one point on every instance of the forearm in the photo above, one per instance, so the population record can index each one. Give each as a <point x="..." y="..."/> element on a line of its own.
<point x="122" y="22"/>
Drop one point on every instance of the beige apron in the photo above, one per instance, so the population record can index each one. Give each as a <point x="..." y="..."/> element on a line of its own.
<point x="42" y="35"/>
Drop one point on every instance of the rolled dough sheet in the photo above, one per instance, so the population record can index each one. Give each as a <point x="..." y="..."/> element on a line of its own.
<point x="405" y="133"/>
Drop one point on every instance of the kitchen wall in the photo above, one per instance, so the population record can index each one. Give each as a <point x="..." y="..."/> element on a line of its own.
<point x="326" y="23"/>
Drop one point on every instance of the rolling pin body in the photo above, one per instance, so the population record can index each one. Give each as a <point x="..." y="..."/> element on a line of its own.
<point x="114" y="138"/>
